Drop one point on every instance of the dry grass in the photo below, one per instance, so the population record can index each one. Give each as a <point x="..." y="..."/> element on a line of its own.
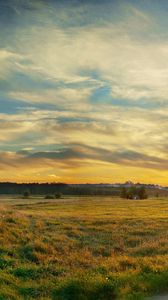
<point x="83" y="248"/>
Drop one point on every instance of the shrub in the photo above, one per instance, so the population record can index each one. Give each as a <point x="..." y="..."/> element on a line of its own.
<point x="48" y="196"/>
<point x="26" y="252"/>
<point x="2" y="297"/>
<point x="5" y="263"/>
<point x="25" y="273"/>
<point x="85" y="290"/>
<point x="30" y="292"/>
<point x="26" y="194"/>
<point x="58" y="195"/>
<point x="10" y="220"/>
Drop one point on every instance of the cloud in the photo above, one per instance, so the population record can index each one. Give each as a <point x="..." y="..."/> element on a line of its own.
<point x="7" y="62"/>
<point x="68" y="98"/>
<point x="134" y="68"/>
<point x="131" y="128"/>
<point x="85" y="92"/>
<point x="75" y="156"/>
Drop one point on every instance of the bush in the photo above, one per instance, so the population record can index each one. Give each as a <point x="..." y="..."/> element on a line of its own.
<point x="2" y="297"/>
<point x="85" y="290"/>
<point x="5" y="263"/>
<point x="25" y="273"/>
<point x="26" y="194"/>
<point x="48" y="196"/>
<point x="27" y="252"/>
<point x="58" y="195"/>
<point x="30" y="292"/>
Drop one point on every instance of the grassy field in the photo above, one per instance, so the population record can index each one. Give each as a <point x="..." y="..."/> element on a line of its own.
<point x="83" y="248"/>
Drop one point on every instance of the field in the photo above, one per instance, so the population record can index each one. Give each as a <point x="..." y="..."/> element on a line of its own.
<point x="83" y="248"/>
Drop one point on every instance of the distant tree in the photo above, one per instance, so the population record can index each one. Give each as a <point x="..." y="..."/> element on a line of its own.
<point x="133" y="192"/>
<point x="142" y="193"/>
<point x="26" y="194"/>
<point x="58" y="195"/>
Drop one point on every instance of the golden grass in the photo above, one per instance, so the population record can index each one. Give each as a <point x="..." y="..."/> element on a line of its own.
<point x="106" y="246"/>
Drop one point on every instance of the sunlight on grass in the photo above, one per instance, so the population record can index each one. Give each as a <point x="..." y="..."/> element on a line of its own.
<point x="83" y="248"/>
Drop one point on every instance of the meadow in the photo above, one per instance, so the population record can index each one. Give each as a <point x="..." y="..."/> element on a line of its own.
<point x="83" y="248"/>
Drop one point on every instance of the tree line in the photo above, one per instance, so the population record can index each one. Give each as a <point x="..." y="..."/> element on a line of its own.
<point x="54" y="189"/>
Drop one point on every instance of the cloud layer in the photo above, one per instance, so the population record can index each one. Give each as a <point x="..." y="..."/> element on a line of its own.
<point x="83" y="91"/>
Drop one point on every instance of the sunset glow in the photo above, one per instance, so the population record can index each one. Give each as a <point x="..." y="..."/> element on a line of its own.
<point x="84" y="91"/>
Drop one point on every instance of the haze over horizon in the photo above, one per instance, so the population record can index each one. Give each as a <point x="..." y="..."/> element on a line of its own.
<point x="84" y="91"/>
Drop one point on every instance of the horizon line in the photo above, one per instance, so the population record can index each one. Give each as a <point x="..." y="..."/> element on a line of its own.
<point x="85" y="183"/>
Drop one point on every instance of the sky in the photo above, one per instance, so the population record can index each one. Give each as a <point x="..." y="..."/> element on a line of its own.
<point x="84" y="91"/>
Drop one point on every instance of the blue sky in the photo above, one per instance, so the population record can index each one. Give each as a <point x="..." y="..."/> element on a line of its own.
<point x="83" y="90"/>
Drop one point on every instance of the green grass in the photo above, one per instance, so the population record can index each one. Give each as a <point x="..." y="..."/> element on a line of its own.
<point x="83" y="248"/>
